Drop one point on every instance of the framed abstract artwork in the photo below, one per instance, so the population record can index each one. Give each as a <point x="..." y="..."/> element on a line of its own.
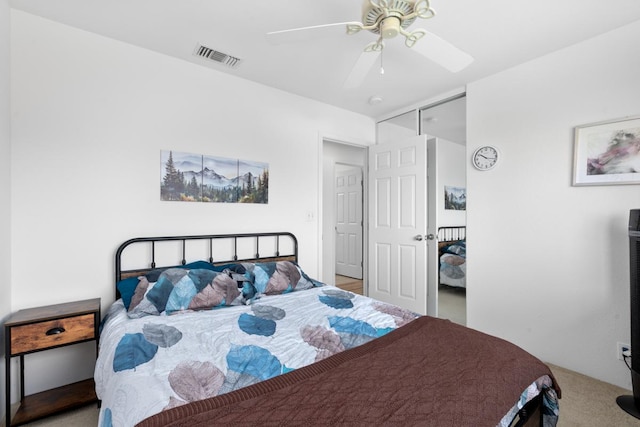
<point x="607" y="153"/>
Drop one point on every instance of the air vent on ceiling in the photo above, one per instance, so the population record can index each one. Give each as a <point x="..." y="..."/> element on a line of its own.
<point x="214" y="55"/>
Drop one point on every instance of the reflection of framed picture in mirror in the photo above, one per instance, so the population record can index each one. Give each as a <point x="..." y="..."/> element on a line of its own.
<point x="607" y="153"/>
<point x="455" y="198"/>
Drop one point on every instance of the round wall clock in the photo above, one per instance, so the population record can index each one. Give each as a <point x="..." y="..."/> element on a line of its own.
<point x="485" y="157"/>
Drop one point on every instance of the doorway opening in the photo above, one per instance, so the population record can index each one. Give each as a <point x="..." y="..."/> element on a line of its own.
<point x="343" y="233"/>
<point x="348" y="224"/>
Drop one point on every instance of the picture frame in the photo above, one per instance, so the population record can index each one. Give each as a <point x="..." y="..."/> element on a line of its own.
<point x="455" y="198"/>
<point x="607" y="152"/>
<point x="194" y="177"/>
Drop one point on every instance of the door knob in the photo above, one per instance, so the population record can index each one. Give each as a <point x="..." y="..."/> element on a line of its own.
<point x="430" y="237"/>
<point x="418" y="237"/>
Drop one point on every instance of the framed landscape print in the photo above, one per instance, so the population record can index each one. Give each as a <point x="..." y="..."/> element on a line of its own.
<point x="455" y="198"/>
<point x="607" y="153"/>
<point x="189" y="177"/>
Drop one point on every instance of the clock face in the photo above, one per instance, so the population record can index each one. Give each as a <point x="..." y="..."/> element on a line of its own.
<point x="484" y="158"/>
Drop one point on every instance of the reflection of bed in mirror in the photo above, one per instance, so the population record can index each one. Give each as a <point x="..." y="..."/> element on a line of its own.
<point x="452" y="253"/>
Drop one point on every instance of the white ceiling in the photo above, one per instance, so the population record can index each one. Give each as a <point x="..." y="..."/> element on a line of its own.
<point x="499" y="34"/>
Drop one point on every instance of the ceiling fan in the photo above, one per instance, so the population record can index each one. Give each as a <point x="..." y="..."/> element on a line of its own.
<point x="387" y="19"/>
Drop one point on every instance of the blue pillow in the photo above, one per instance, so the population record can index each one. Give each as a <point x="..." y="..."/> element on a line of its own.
<point x="127" y="286"/>
<point x="234" y="267"/>
<point x="199" y="265"/>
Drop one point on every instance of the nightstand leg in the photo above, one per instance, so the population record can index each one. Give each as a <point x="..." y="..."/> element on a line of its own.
<point x="7" y="376"/>
<point x="21" y="378"/>
<point x="7" y="390"/>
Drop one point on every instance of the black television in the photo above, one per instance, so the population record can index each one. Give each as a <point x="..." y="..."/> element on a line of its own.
<point x="631" y="404"/>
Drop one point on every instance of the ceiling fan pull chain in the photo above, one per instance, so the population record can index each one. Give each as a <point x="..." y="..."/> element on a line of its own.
<point x="381" y="63"/>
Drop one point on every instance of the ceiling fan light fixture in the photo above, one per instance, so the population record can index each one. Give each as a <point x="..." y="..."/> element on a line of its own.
<point x="390" y="27"/>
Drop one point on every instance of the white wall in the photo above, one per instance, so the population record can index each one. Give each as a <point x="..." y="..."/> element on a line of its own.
<point x="5" y="187"/>
<point x="90" y="116"/>
<point x="452" y="172"/>
<point x="548" y="263"/>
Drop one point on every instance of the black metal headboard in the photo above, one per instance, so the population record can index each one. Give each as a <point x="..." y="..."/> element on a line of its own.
<point x="452" y="233"/>
<point x="173" y="251"/>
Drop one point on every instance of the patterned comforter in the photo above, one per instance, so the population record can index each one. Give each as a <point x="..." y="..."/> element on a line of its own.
<point x="453" y="264"/>
<point x="153" y="363"/>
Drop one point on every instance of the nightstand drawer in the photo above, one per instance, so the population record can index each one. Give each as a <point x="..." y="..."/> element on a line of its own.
<point x="52" y="333"/>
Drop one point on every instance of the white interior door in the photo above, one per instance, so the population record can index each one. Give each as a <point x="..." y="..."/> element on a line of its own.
<point x="348" y="202"/>
<point x="398" y="223"/>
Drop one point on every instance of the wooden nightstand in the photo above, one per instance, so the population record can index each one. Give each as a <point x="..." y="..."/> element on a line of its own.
<point x="43" y="328"/>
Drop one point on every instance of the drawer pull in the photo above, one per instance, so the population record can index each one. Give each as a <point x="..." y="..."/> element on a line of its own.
<point x="55" y="331"/>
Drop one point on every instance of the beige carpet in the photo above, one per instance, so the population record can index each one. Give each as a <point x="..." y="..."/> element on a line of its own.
<point x="585" y="403"/>
<point x="452" y="304"/>
<point x="83" y="417"/>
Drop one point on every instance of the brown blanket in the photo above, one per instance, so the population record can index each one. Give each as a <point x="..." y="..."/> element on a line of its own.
<point x="430" y="372"/>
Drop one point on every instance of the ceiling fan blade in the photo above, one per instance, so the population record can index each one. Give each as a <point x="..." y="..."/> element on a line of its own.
<point x="442" y="52"/>
<point x="361" y="68"/>
<point x="307" y="33"/>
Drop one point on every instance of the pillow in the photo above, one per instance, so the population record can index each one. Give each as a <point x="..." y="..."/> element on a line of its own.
<point x="154" y="274"/>
<point x="279" y="277"/>
<point x="140" y="306"/>
<point x="456" y="249"/>
<point x="181" y="289"/>
<point x="238" y="272"/>
<point x="200" y="265"/>
<point x="233" y="266"/>
<point x="127" y="286"/>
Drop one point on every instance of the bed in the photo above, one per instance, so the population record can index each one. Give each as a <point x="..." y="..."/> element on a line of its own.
<point x="452" y="255"/>
<point x="251" y="339"/>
